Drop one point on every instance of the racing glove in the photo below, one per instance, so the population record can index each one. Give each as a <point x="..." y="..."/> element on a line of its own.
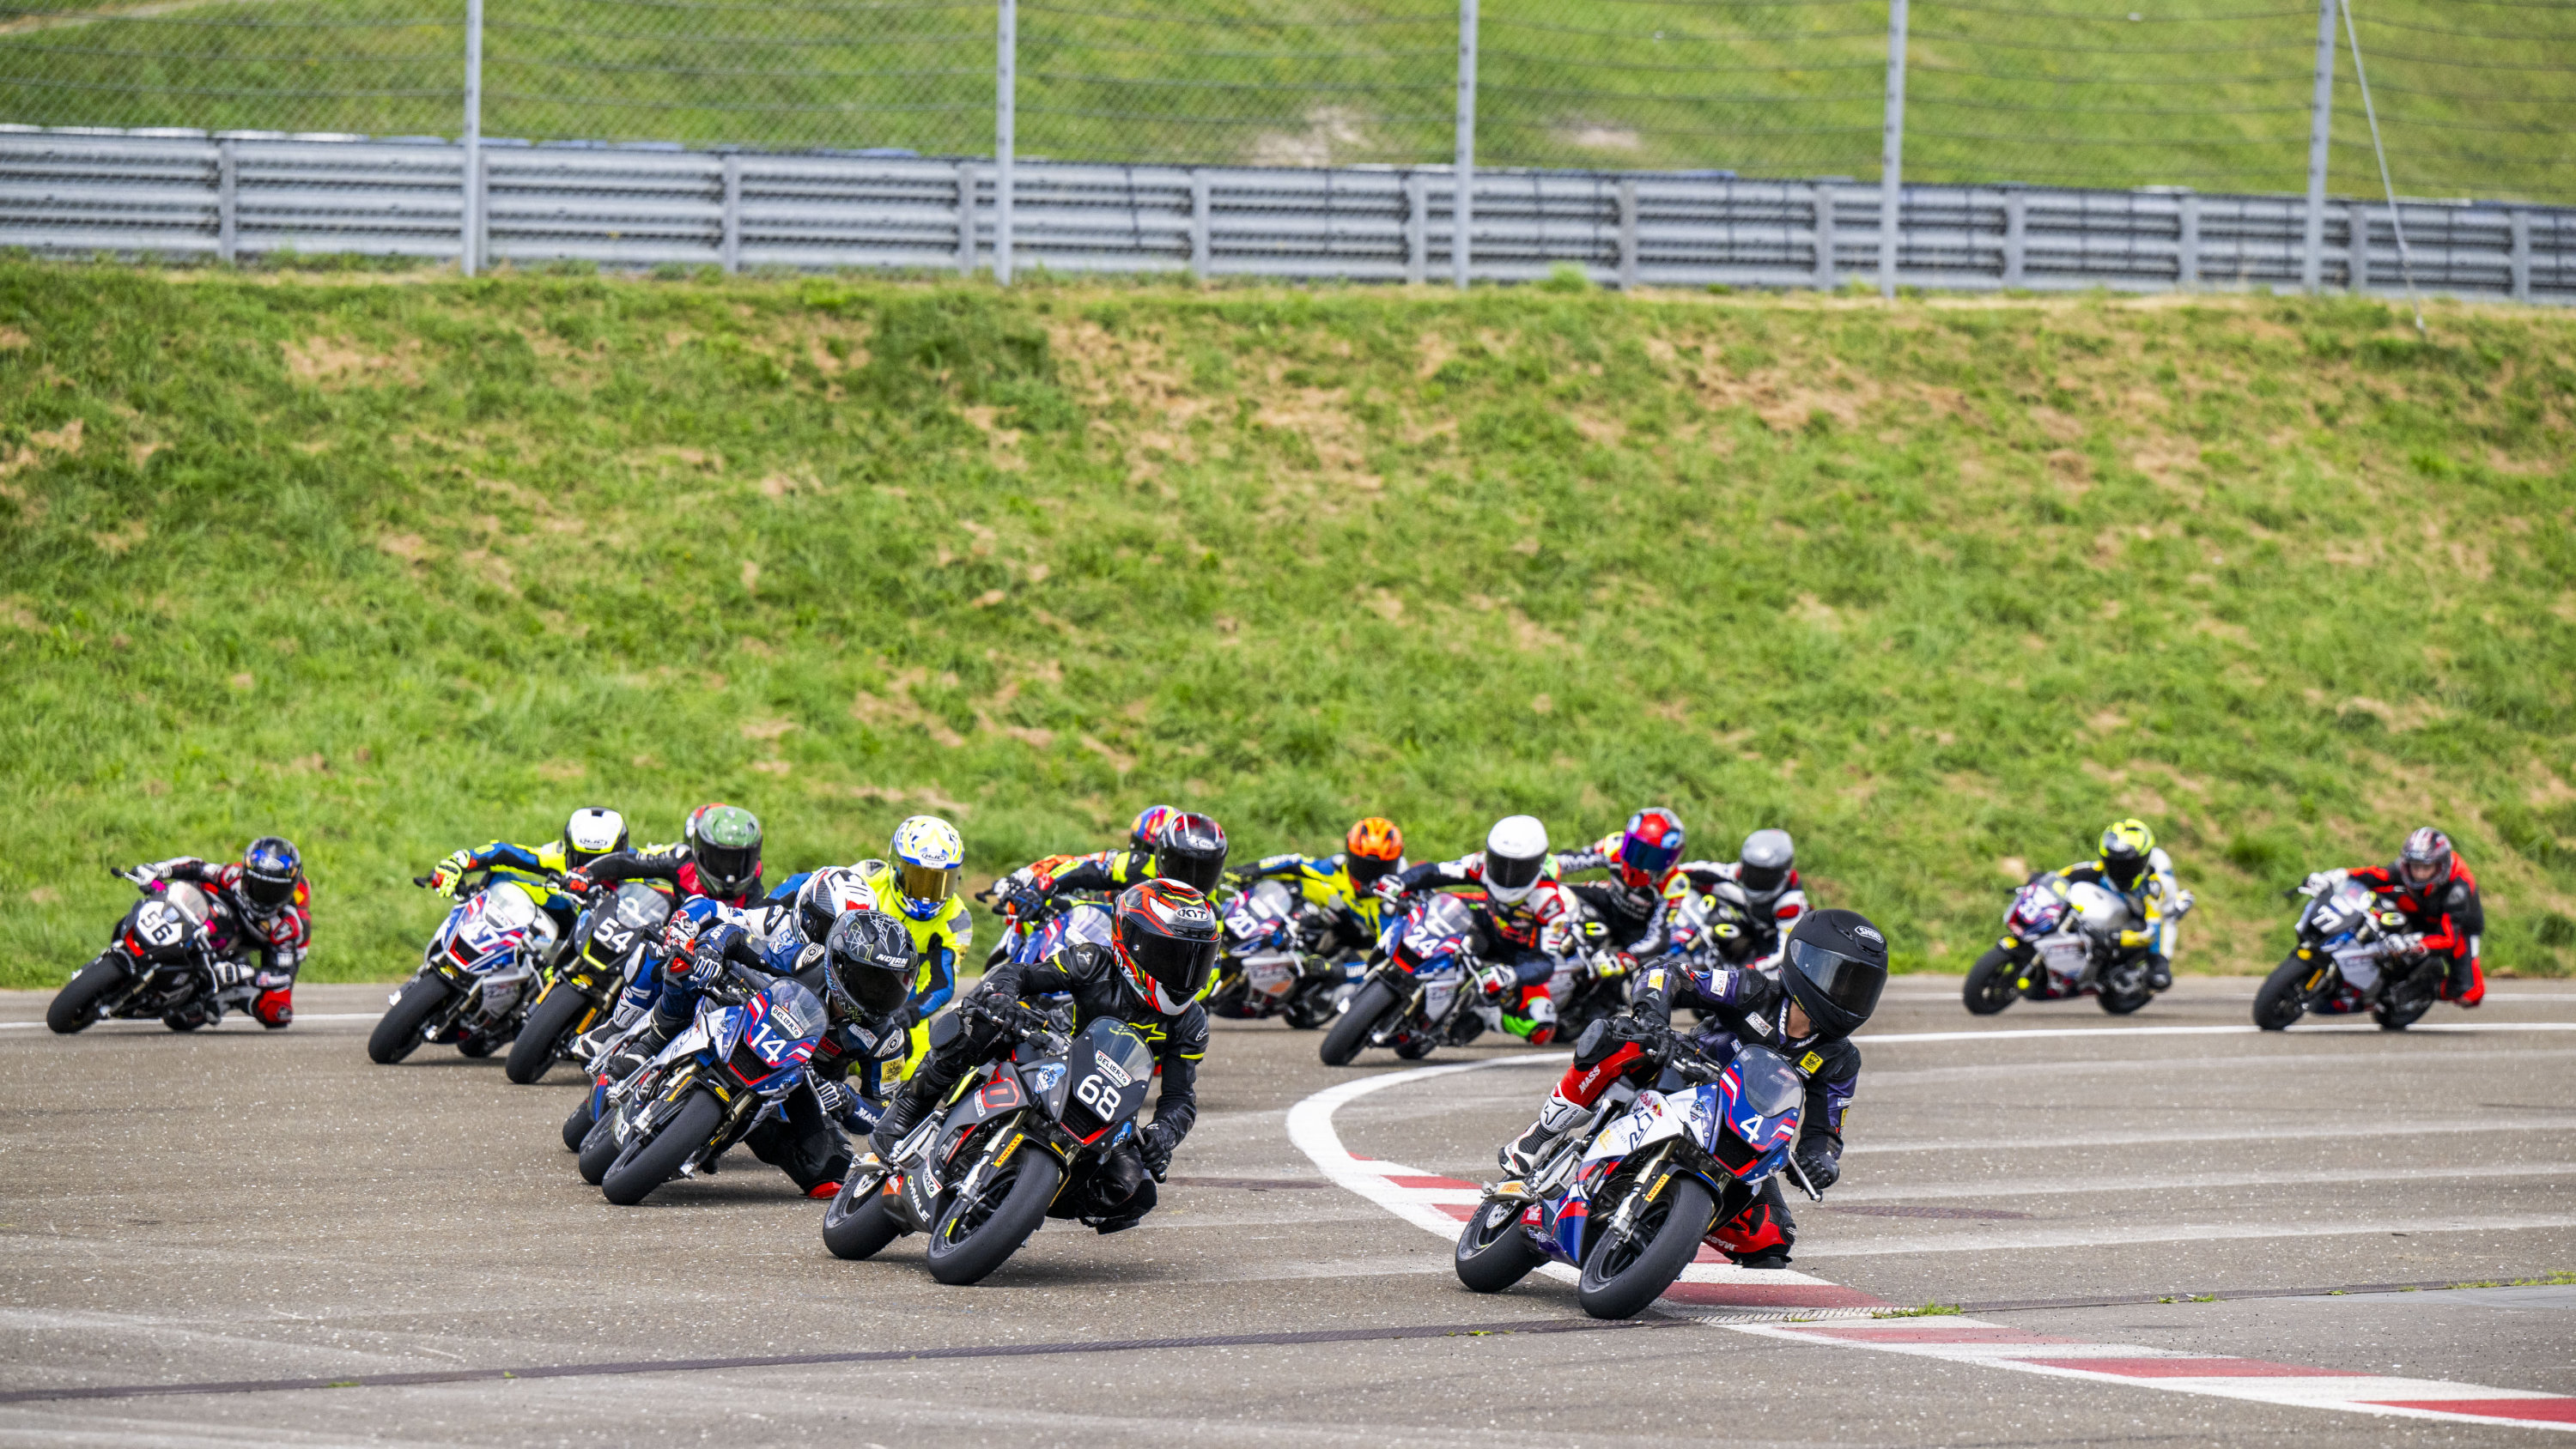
<point x="443" y="879"/>
<point x="1154" y="1144"/>
<point x="1389" y="889"/>
<point x="1817" y="1160"/>
<point x="2404" y="943"/>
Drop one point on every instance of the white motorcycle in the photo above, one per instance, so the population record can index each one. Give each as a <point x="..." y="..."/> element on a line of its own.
<point x="2062" y="940"/>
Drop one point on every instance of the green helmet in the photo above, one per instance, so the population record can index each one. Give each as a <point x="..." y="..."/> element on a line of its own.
<point x="728" y="850"/>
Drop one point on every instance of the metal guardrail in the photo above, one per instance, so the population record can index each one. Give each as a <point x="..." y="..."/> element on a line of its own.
<point x="187" y="195"/>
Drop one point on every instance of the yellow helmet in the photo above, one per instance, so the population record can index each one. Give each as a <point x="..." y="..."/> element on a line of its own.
<point x="2125" y="848"/>
<point x="927" y="854"/>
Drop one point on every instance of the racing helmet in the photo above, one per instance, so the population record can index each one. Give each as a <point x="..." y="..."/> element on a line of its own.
<point x="1770" y="858"/>
<point x="689" y="827"/>
<point x="1191" y="850"/>
<point x="593" y="831"/>
<point x="1372" y="850"/>
<point x="2425" y="859"/>
<point x="1148" y="827"/>
<point x="1834" y="966"/>
<point x="270" y="872"/>
<point x="928" y="853"/>
<point x="1165" y="940"/>
<point x="1649" y="846"/>
<point x="869" y="964"/>
<point x="2126" y="844"/>
<point x="727" y="849"/>
<point x="1515" y="857"/>
<point x="827" y="895"/>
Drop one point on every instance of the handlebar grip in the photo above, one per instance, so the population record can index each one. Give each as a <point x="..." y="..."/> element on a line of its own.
<point x="423" y="880"/>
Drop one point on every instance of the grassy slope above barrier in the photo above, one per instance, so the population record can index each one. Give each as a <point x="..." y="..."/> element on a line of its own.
<point x="394" y="568"/>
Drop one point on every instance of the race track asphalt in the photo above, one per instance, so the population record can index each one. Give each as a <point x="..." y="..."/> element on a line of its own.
<point x="240" y="1208"/>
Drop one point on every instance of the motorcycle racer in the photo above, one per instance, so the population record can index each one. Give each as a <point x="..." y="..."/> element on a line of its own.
<point x="1833" y="967"/>
<point x="719" y="860"/>
<point x="1525" y="921"/>
<point x="591" y="833"/>
<point x="2130" y="864"/>
<point x="2435" y="890"/>
<point x="1765" y="873"/>
<point x="918" y="882"/>
<point x="1644" y="865"/>
<point x="266" y="914"/>
<point x="1342" y="888"/>
<point x="1161" y="958"/>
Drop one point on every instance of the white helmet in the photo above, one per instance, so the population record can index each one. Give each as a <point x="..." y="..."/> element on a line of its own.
<point x="593" y="831"/>
<point x="827" y="895"/>
<point x="1515" y="857"/>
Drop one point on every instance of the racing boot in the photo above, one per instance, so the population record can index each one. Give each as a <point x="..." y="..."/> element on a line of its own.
<point x="901" y="1115"/>
<point x="640" y="1048"/>
<point x="1555" y="1119"/>
<point x="2159" y="973"/>
<point x="1533" y="1016"/>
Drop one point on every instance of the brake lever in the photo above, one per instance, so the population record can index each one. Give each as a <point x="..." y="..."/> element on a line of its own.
<point x="1804" y="1186"/>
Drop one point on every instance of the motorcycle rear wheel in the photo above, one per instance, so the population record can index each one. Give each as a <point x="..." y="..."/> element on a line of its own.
<point x="2121" y="1003"/>
<point x="1356" y="1025"/>
<point x="1621" y="1275"/>
<point x="397" y="1035"/>
<point x="648" y="1164"/>
<point x="1493" y="1253"/>
<point x="857" y="1231"/>
<point x="1989" y="987"/>
<point x="2401" y="1016"/>
<point x="76" y="1005"/>
<point x="550" y="1027"/>
<point x="1012" y="1209"/>
<point x="2283" y="997"/>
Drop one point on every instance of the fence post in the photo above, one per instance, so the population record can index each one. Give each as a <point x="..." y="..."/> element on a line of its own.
<point x="1202" y="207"/>
<point x="1462" y="207"/>
<point x="1891" y="154"/>
<point x="1006" y="122"/>
<point x="227" y="203"/>
<point x="1417" y="227"/>
<point x="2522" y="256"/>
<point x="1628" y="234"/>
<point x="2320" y="138"/>
<point x="1824" y="236"/>
<point x="2016" y="235"/>
<point x="2356" y="267"/>
<point x="470" y="239"/>
<point x="2187" y="264"/>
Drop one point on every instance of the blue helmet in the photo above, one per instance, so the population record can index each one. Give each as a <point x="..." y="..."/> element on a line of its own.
<point x="271" y="869"/>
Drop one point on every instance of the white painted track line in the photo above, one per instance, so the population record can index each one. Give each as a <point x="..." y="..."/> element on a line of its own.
<point x="228" y="1020"/>
<point x="2471" y="1028"/>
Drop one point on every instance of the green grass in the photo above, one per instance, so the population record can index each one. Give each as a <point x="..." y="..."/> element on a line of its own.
<point x="2474" y="98"/>
<point x="1928" y="1310"/>
<point x="394" y="565"/>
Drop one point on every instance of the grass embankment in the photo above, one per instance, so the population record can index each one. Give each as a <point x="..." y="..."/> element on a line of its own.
<point x="1941" y="588"/>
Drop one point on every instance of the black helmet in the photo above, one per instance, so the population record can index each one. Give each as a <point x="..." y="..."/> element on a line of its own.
<point x="2127" y="850"/>
<point x="593" y="831"/>
<point x="1166" y="943"/>
<point x="270" y="868"/>
<point x="869" y="965"/>
<point x="1770" y="857"/>
<point x="1191" y="850"/>
<point x="827" y="895"/>
<point x="2425" y="860"/>
<point x="728" y="850"/>
<point x="1834" y="968"/>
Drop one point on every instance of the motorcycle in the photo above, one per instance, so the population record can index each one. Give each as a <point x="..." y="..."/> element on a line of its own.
<point x="477" y="976"/>
<point x="707" y="1089"/>
<point x="2062" y="940"/>
<point x="2345" y="962"/>
<point x="1037" y="935"/>
<point x="611" y="943"/>
<point x="1591" y="981"/>
<point x="1261" y="970"/>
<point x="980" y="1175"/>
<point x="162" y="961"/>
<point x="1427" y="989"/>
<point x="1630" y="1200"/>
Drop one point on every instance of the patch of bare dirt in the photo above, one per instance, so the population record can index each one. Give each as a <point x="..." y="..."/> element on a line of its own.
<point x="331" y="363"/>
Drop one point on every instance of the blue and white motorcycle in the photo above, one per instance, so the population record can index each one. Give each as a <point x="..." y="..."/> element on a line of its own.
<point x="705" y="1092"/>
<point x="1629" y="1198"/>
<point x="478" y="976"/>
<point x="1427" y="989"/>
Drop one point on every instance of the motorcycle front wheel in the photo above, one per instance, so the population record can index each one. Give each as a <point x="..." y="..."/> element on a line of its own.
<point x="976" y="1235"/>
<point x="648" y="1164"/>
<point x="551" y="1026"/>
<point x="577" y="1126"/>
<point x="1493" y="1253"/>
<point x="857" y="1226"/>
<point x="1990" y="987"/>
<point x="2283" y="997"/>
<point x="397" y="1035"/>
<point x="76" y="1005"/>
<point x="599" y="1149"/>
<point x="1352" y="1031"/>
<point x="1624" y="1273"/>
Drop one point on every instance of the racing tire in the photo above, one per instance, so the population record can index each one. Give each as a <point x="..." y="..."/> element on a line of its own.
<point x="1493" y="1253"/>
<point x="76" y="1005"/>
<point x="1352" y="1030"/>
<point x="1415" y="1049"/>
<point x="957" y="1258"/>
<point x="2283" y="997"/>
<point x="599" y="1151"/>
<point x="1989" y="987"/>
<point x="2400" y="1017"/>
<point x="397" y="1034"/>
<point x="857" y="1231"/>
<point x="550" y="1026"/>
<point x="648" y="1164"/>
<point x="578" y="1125"/>
<point x="1622" y="1275"/>
<point x="2121" y="1003"/>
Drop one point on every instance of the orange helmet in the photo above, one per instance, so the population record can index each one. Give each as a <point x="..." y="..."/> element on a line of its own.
<point x="1373" y="848"/>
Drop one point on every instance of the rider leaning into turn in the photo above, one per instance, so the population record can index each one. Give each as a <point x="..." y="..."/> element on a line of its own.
<point x="719" y="859"/>
<point x="1525" y="923"/>
<point x="592" y="833"/>
<point x="1833" y="967"/>
<point x="1765" y="872"/>
<point x="1645" y="881"/>
<point x="2432" y="886"/>
<point x="2130" y="864"/>
<point x="1342" y="888"/>
<point x="1160" y="960"/>
<point x="918" y="881"/>
<point x="266" y="912"/>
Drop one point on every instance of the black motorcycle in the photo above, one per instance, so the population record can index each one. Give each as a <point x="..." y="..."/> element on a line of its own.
<point x="161" y="962"/>
<point x="2346" y="961"/>
<point x="611" y="943"/>
<point x="981" y="1175"/>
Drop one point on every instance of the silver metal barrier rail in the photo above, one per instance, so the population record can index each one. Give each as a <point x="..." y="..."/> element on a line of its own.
<point x="190" y="195"/>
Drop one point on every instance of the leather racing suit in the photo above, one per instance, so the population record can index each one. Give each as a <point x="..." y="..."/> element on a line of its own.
<point x="270" y="944"/>
<point x="2447" y="918"/>
<point x="1530" y="936"/>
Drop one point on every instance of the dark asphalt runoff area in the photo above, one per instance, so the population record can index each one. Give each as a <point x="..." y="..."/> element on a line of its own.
<point x="322" y="1251"/>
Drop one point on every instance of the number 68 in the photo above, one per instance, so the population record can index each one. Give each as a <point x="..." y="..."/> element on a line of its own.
<point x="1095" y="1092"/>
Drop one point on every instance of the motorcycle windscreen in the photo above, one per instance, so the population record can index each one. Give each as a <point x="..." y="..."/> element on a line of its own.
<point x="1755" y="1107"/>
<point x="1109" y="1068"/>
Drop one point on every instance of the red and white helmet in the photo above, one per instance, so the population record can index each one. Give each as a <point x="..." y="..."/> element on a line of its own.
<point x="827" y="895"/>
<point x="2426" y="860"/>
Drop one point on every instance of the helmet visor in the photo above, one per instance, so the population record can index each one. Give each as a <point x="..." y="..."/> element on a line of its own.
<point x="1654" y="859"/>
<point x="871" y="991"/>
<point x="1762" y="880"/>
<point x="268" y="892"/>
<point x="1194" y="869"/>
<point x="1848" y="984"/>
<point x="1367" y="869"/>
<point x="728" y="866"/>
<point x="1512" y="872"/>
<point x="2419" y="872"/>
<point x="927" y="882"/>
<point x="1181" y="967"/>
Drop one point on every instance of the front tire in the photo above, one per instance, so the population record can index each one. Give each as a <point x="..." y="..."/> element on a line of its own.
<point x="2283" y="998"/>
<point x="962" y="1252"/>
<point x="648" y="1164"/>
<point x="1622" y="1275"/>
<point x="1989" y="988"/>
<point x="578" y="1125"/>
<point x="1353" y="1029"/>
<point x="550" y="1027"/>
<point x="76" y="1005"/>
<point x="1493" y="1253"/>
<point x="397" y="1035"/>
<point x="599" y="1149"/>
<point x="857" y="1231"/>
